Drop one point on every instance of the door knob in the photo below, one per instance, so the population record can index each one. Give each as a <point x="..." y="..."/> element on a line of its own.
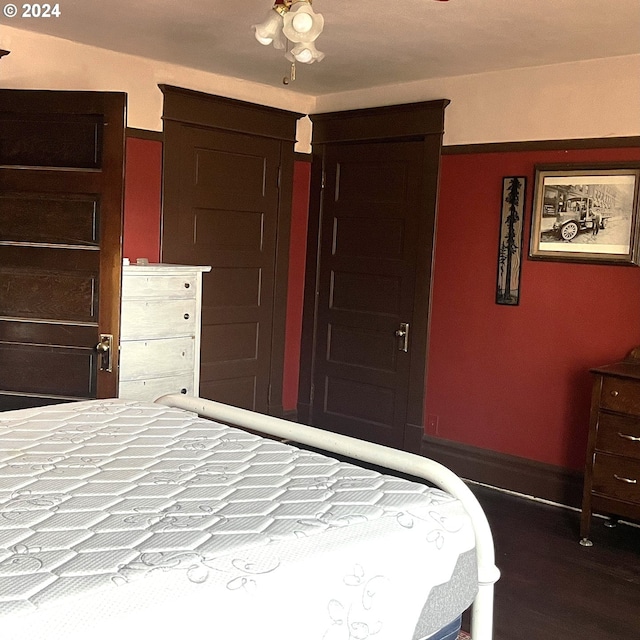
<point x="105" y="359"/>
<point x="403" y="333"/>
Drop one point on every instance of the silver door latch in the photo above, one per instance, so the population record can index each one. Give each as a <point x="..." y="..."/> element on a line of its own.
<point x="403" y="334"/>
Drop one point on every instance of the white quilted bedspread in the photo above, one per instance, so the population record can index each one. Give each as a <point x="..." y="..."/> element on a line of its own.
<point x="127" y="520"/>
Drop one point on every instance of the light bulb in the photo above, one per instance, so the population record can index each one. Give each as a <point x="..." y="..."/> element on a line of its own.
<point x="302" y="22"/>
<point x="304" y="56"/>
<point x="304" y="52"/>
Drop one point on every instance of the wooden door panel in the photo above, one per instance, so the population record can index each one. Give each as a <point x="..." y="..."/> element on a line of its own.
<point x="61" y="176"/>
<point x="51" y="140"/>
<point x="238" y="391"/>
<point x="49" y="257"/>
<point x="371" y="293"/>
<point x="368" y="237"/>
<point x="379" y="179"/>
<point x="366" y="287"/>
<point x="228" y="230"/>
<point x="61" y="220"/>
<point x="226" y="216"/>
<point x="361" y="404"/>
<point x="48" y="333"/>
<point x="235" y="288"/>
<point x="47" y="370"/>
<point x="359" y="347"/>
<point x="49" y="295"/>
<point x="232" y="342"/>
<point x="233" y="180"/>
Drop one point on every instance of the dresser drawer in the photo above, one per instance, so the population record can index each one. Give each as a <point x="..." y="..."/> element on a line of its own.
<point x="141" y="359"/>
<point x="144" y="319"/>
<point x="153" y="388"/>
<point x="154" y="286"/>
<point x="616" y="477"/>
<point x="620" y="395"/>
<point x="619" y="434"/>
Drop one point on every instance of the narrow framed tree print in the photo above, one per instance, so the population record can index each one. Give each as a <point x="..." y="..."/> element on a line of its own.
<point x="510" y="242"/>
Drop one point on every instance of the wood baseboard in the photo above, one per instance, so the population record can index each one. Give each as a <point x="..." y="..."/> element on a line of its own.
<point x="531" y="478"/>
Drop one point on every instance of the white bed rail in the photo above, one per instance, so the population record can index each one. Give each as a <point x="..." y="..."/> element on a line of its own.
<point x="434" y="472"/>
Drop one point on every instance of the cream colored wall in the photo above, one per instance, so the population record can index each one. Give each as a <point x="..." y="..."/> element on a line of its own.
<point x="43" y="62"/>
<point x="589" y="99"/>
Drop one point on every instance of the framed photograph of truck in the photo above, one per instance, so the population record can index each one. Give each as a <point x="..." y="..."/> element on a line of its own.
<point x="586" y="213"/>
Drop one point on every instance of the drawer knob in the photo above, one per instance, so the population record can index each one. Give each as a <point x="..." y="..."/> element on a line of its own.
<point x="183" y="390"/>
<point x="186" y="316"/>
<point x="627" y="436"/>
<point x="627" y="480"/>
<point x="186" y="285"/>
<point x="615" y="393"/>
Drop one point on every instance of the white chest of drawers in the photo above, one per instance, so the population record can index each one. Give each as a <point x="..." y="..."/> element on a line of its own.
<point x="160" y="330"/>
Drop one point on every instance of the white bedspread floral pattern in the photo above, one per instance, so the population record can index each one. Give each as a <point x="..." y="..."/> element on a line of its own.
<point x="119" y="518"/>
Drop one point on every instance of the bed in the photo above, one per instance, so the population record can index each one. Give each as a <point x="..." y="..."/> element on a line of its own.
<point x="123" y="519"/>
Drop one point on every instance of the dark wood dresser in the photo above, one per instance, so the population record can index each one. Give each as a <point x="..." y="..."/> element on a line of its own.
<point x="612" y="471"/>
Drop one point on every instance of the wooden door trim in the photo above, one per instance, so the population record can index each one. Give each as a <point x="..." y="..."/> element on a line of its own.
<point x="422" y="121"/>
<point x="115" y="105"/>
<point x="192" y="108"/>
<point x="393" y="122"/>
<point x="217" y="112"/>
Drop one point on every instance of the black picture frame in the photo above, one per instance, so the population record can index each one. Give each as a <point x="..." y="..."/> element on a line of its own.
<point x="586" y="213"/>
<point x="511" y="240"/>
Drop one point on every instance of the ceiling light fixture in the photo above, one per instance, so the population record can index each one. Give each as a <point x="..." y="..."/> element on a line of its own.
<point x="292" y="25"/>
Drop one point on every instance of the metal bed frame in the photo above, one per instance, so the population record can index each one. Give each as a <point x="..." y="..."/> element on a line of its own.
<point x="409" y="463"/>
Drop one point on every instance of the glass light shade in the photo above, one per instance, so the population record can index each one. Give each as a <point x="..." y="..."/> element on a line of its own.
<point x="270" y="31"/>
<point x="305" y="52"/>
<point x="302" y="23"/>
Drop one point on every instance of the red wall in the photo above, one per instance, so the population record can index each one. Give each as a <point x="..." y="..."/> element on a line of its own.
<point x="295" y="291"/>
<point x="142" y="199"/>
<point x="515" y="379"/>
<point x="508" y="379"/>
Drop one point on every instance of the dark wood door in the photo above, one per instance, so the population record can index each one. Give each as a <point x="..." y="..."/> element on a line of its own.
<point x="370" y="222"/>
<point x="61" y="181"/>
<point x="368" y="271"/>
<point x="221" y="209"/>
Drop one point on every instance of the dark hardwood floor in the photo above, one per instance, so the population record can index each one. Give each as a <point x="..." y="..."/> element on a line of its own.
<point x="551" y="587"/>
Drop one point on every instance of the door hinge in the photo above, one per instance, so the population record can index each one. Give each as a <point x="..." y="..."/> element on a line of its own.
<point x="312" y="393"/>
<point x="324" y="179"/>
<point x="279" y="178"/>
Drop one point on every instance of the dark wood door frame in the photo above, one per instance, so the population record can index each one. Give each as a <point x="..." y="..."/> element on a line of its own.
<point x="423" y="122"/>
<point x="226" y="114"/>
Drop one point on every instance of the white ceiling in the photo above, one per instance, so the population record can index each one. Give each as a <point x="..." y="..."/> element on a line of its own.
<point x="367" y="42"/>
